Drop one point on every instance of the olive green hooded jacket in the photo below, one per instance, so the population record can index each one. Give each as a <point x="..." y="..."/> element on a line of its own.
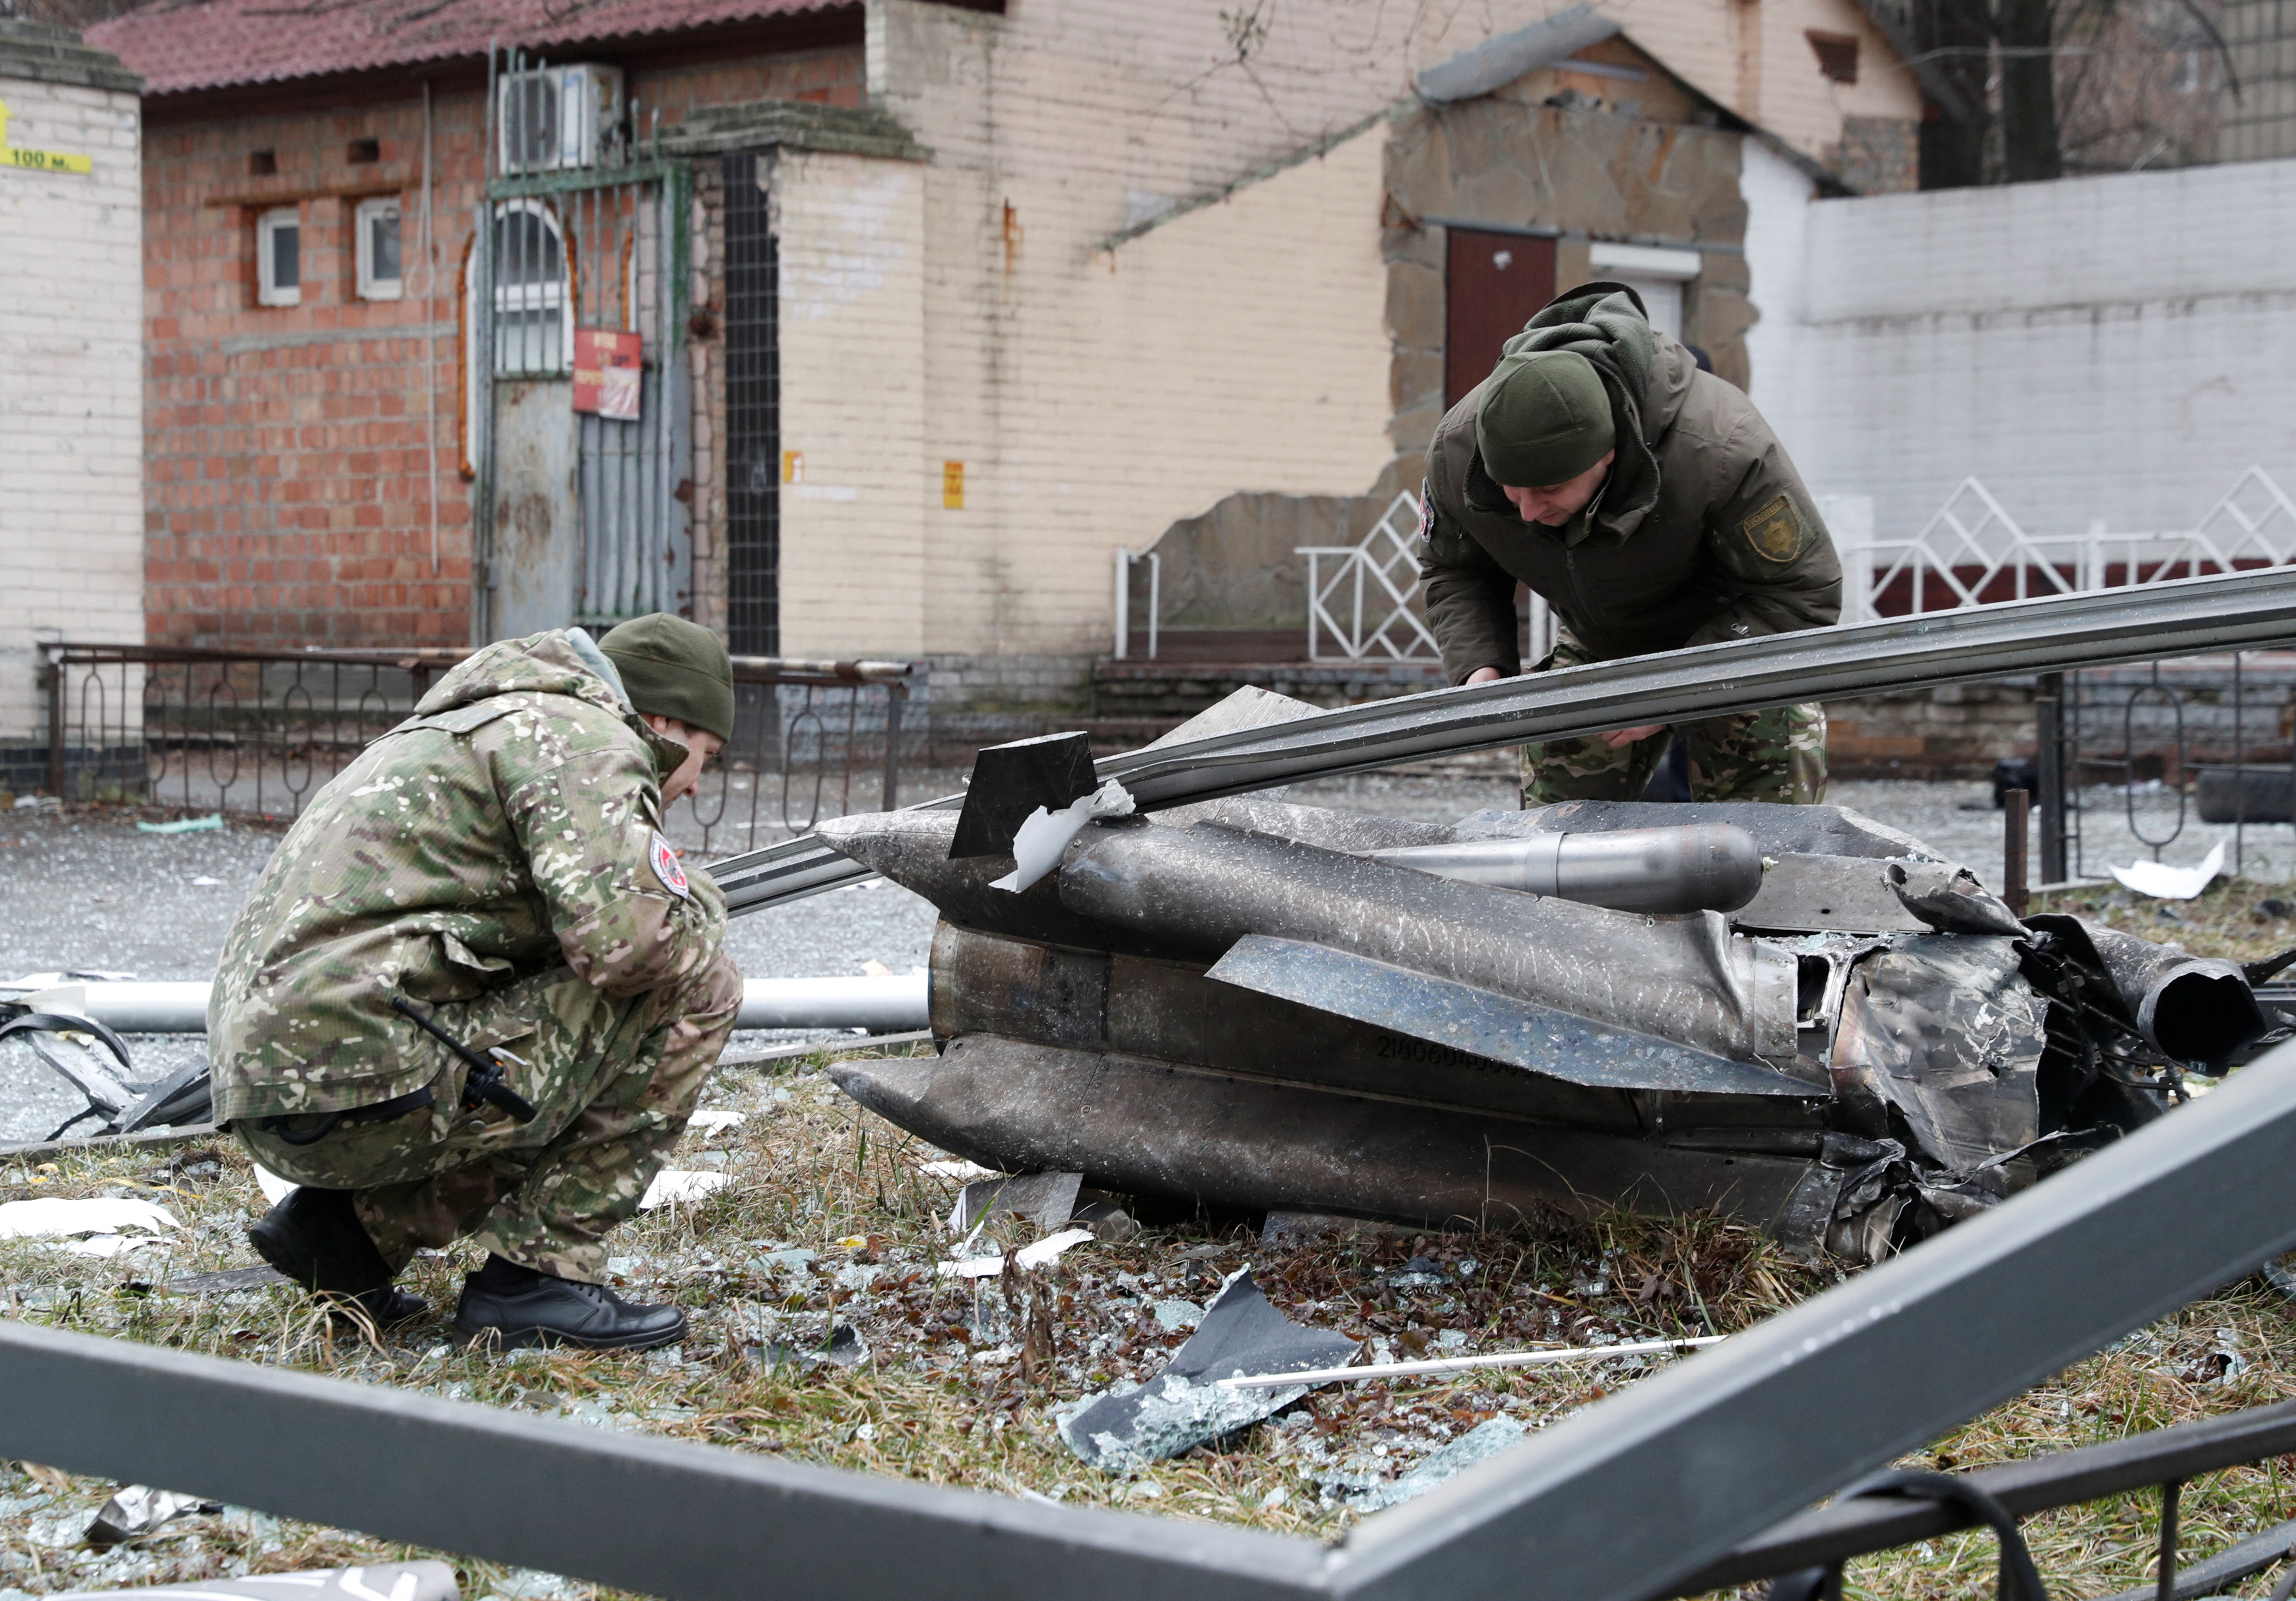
<point x="1702" y="532"/>
<point x="512" y="826"/>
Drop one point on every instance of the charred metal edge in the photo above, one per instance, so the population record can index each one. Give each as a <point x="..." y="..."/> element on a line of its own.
<point x="1627" y="1500"/>
<point x="2053" y="634"/>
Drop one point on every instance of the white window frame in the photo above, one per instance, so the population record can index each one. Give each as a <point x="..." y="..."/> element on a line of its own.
<point x="1654" y="272"/>
<point x="370" y="287"/>
<point x="543" y="295"/>
<point x="267" y="292"/>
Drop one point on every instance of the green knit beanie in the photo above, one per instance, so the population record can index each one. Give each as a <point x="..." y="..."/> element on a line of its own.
<point x="1544" y="419"/>
<point x="673" y="668"/>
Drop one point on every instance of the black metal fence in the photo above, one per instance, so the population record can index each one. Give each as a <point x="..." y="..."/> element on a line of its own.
<point x="260" y="732"/>
<point x="2161" y="747"/>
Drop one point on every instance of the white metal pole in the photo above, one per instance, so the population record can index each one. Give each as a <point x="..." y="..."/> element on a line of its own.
<point x="1123" y="603"/>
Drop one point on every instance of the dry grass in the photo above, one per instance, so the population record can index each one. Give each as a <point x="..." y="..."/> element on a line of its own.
<point x="940" y="1395"/>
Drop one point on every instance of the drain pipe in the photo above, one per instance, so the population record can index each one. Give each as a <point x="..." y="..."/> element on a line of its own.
<point x="880" y="1005"/>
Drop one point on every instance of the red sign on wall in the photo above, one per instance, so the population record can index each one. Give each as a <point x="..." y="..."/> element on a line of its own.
<point x="606" y="368"/>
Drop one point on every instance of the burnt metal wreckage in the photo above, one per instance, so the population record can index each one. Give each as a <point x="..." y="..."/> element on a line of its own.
<point x="1789" y="1014"/>
<point x="1704" y="1475"/>
<point x="1792" y="1015"/>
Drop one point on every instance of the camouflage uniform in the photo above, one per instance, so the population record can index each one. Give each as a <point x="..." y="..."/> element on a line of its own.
<point x="497" y="859"/>
<point x="1702" y="532"/>
<point x="1778" y="755"/>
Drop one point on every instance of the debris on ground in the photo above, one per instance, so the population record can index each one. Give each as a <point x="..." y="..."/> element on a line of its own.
<point x="209" y="824"/>
<point x="1186" y="1405"/>
<point x="1048" y="1198"/>
<point x="674" y="1186"/>
<point x="2165" y="883"/>
<point x="94" y="1225"/>
<point x="1043" y="1254"/>
<point x="136" y="1510"/>
<point x="396" y="1581"/>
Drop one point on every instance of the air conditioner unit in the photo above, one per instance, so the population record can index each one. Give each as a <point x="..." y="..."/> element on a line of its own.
<point x="557" y="116"/>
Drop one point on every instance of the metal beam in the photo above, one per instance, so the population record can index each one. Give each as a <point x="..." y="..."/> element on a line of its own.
<point x="2030" y="1484"/>
<point x="659" y="1517"/>
<point x="1629" y="1498"/>
<point x="2053" y="634"/>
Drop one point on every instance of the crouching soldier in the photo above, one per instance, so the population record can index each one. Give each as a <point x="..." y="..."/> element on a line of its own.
<point x="494" y="867"/>
<point x="1652" y="506"/>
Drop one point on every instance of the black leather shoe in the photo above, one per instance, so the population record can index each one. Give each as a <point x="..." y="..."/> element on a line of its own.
<point x="512" y="1306"/>
<point x="314" y="1239"/>
<point x="386" y="1309"/>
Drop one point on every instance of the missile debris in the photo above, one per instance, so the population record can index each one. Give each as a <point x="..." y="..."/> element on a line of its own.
<point x="1790" y="1014"/>
<point x="1185" y="1405"/>
<point x="1711" y="867"/>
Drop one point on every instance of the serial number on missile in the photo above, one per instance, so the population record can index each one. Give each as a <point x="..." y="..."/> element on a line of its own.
<point x="1394" y="1047"/>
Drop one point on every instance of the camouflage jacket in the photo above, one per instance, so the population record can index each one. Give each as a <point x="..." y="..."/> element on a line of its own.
<point x="512" y="824"/>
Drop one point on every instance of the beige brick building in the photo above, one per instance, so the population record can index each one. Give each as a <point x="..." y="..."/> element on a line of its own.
<point x="71" y="513"/>
<point x="962" y="298"/>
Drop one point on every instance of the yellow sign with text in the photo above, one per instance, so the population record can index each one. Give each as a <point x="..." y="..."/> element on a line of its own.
<point x="952" y="486"/>
<point x="37" y="160"/>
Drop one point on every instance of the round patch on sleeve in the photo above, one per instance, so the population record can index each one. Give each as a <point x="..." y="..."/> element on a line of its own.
<point x="667" y="869"/>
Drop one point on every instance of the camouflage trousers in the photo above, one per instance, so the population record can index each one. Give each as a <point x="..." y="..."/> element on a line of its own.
<point x="1778" y="755"/>
<point x="613" y="1080"/>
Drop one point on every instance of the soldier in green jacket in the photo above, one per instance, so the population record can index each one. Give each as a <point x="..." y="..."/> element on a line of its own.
<point x="497" y="863"/>
<point x="1652" y="506"/>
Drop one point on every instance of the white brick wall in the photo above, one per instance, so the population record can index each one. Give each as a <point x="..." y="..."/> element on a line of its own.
<point x="2116" y="348"/>
<point x="71" y="508"/>
<point x="851" y="233"/>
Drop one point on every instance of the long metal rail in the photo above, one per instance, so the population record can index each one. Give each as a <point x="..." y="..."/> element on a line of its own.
<point x="2055" y="634"/>
<point x="1626" y="1501"/>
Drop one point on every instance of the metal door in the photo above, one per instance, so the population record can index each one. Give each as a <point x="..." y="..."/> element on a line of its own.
<point x="576" y="515"/>
<point x="1493" y="284"/>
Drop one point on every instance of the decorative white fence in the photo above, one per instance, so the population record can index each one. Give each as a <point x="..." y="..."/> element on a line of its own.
<point x="1362" y="598"/>
<point x="1359" y="596"/>
<point x="1973" y="552"/>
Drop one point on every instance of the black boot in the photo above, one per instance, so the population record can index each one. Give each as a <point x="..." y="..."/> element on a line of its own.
<point x="314" y="1239"/>
<point x="507" y="1305"/>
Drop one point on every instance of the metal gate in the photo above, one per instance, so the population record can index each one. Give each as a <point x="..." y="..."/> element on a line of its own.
<point x="584" y="235"/>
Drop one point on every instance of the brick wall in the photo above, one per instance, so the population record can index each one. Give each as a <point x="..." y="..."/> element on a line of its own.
<point x="851" y="235"/>
<point x="290" y="486"/>
<point x="70" y="399"/>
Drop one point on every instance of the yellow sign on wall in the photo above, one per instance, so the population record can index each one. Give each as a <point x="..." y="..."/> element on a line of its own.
<point x="952" y="486"/>
<point x="36" y="160"/>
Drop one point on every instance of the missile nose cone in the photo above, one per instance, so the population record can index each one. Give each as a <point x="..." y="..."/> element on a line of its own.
<point x="899" y="844"/>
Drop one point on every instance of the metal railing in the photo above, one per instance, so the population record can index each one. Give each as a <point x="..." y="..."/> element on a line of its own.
<point x="260" y="732"/>
<point x="2060" y="633"/>
<point x="1360" y="596"/>
<point x="1974" y="552"/>
<point x="811" y="739"/>
<point x="1125" y="560"/>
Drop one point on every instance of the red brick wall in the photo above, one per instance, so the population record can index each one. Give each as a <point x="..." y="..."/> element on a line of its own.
<point x="287" y="486"/>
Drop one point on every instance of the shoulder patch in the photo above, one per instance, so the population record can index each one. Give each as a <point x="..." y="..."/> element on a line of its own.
<point x="1426" y="511"/>
<point x="1775" y="533"/>
<point x="667" y="869"/>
